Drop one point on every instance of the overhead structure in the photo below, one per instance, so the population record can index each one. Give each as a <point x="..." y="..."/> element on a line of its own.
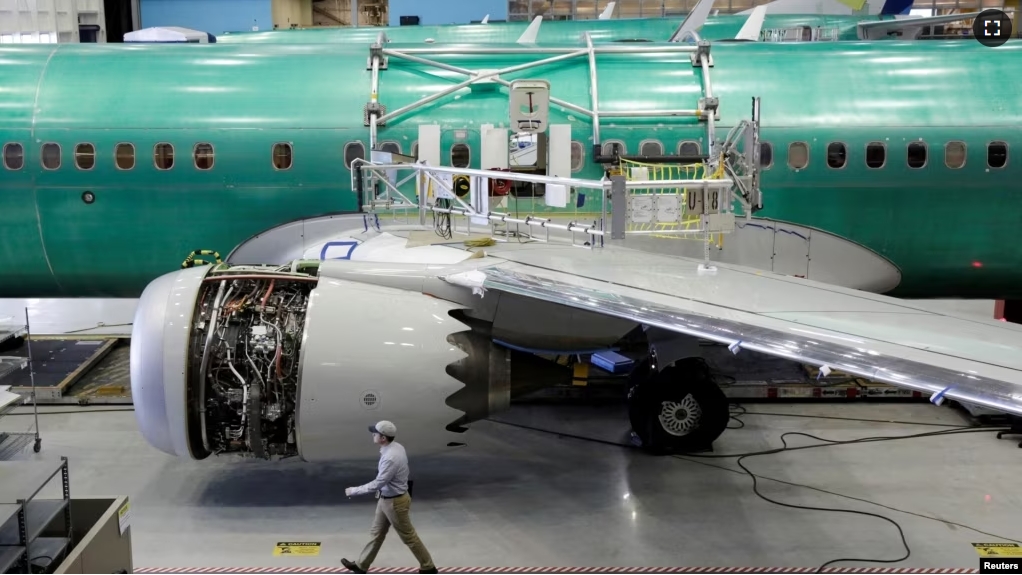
<point x="52" y="22"/>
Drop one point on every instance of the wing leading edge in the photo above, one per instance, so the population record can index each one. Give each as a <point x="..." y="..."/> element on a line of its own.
<point x="908" y="359"/>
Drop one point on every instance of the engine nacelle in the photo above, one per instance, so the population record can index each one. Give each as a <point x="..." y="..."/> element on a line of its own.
<point x="260" y="362"/>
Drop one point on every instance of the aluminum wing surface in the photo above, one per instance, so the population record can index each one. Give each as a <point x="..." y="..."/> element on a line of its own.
<point x="877" y="337"/>
<point x="879" y="28"/>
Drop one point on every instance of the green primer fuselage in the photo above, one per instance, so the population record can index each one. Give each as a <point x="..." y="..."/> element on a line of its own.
<point x="934" y="223"/>
<point x="560" y="31"/>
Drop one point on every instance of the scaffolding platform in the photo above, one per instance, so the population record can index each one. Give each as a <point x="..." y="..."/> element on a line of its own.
<point x="73" y="370"/>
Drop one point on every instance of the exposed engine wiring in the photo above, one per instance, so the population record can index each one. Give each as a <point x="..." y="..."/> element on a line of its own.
<point x="254" y="342"/>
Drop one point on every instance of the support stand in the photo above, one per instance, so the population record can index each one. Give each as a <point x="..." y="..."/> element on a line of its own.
<point x="1016" y="428"/>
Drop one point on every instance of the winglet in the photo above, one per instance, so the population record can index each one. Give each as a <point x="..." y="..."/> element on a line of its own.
<point x="532" y="32"/>
<point x="486" y="19"/>
<point x="694" y="21"/>
<point x="608" y="11"/>
<point x="754" y="25"/>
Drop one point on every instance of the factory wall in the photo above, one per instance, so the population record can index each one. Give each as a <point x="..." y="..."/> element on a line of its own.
<point x="448" y="11"/>
<point x="215" y="17"/>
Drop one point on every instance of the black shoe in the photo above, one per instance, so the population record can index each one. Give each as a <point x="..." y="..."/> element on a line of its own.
<point x="353" y="567"/>
<point x="430" y="570"/>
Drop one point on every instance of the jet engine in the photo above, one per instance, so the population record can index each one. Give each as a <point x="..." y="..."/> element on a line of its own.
<point x="273" y="362"/>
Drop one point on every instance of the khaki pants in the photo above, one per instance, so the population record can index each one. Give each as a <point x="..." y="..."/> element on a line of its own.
<point x="394" y="512"/>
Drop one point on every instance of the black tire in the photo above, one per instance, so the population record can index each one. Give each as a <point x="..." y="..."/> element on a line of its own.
<point x="38" y="445"/>
<point x="694" y="409"/>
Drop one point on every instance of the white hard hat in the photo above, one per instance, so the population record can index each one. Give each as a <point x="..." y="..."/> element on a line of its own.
<point x="384" y="428"/>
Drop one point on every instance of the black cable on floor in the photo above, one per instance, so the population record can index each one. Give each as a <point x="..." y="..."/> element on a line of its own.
<point x="848" y="418"/>
<point x="733" y="415"/>
<point x="824" y="443"/>
<point x="755" y="489"/>
<point x="852" y="497"/>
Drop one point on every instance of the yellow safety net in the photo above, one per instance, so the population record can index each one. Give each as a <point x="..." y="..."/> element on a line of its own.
<point x="633" y="170"/>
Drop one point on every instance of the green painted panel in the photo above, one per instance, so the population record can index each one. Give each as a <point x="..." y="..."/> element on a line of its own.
<point x="935" y="223"/>
<point x="23" y="68"/>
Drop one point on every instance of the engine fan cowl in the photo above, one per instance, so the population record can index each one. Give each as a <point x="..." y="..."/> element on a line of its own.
<point x="158" y="366"/>
<point x="255" y="361"/>
<point x="372" y="353"/>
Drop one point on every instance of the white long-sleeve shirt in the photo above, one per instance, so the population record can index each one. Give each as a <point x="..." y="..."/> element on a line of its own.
<point x="392" y="477"/>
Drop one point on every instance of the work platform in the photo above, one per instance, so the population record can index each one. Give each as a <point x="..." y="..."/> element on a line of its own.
<point x="74" y="370"/>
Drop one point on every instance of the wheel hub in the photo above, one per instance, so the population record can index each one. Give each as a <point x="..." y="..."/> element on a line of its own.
<point x="679" y="418"/>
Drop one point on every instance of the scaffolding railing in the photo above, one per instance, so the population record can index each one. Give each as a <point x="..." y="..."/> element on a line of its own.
<point x="624" y="203"/>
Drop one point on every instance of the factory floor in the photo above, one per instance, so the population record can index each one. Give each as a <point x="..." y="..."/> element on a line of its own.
<point x="522" y="497"/>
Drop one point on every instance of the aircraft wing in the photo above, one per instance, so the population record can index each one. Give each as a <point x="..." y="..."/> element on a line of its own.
<point x="879" y="28"/>
<point x="872" y="336"/>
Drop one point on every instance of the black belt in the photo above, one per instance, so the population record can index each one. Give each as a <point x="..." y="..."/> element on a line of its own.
<point x="391" y="496"/>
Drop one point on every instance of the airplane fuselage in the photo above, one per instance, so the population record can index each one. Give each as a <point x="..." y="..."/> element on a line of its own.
<point x="836" y="27"/>
<point x="949" y="225"/>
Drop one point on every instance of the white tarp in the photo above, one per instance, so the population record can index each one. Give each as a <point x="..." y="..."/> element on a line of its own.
<point x="169" y="34"/>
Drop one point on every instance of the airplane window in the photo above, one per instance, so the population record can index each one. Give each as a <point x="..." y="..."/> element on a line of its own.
<point x="163" y="156"/>
<point x="85" y="156"/>
<point x="353" y="151"/>
<point x="798" y="155"/>
<point x="203" y="156"/>
<point x="837" y="155"/>
<point x="415" y="150"/>
<point x="392" y="147"/>
<point x="916" y="155"/>
<point x="51" y="156"/>
<point x="954" y="155"/>
<point x="611" y="147"/>
<point x="876" y="155"/>
<point x="578" y="156"/>
<point x="282" y="157"/>
<point x="124" y="156"/>
<point x="651" y="148"/>
<point x="689" y="149"/>
<point x="460" y="155"/>
<point x="14" y="156"/>
<point x="766" y="155"/>
<point x="997" y="154"/>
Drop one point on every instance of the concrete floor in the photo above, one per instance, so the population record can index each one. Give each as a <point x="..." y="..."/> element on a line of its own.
<point x="520" y="497"/>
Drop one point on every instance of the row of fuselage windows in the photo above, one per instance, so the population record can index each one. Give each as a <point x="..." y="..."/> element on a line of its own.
<point x="916" y="155"/>
<point x="282" y="154"/>
<point x="124" y="157"/>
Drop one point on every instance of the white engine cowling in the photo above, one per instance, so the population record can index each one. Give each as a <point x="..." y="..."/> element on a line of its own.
<point x="267" y="363"/>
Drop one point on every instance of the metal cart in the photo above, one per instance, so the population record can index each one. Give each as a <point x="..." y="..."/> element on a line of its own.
<point x="12" y="443"/>
<point x="30" y="531"/>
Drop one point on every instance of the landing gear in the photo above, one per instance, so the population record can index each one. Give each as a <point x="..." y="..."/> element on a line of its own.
<point x="678" y="410"/>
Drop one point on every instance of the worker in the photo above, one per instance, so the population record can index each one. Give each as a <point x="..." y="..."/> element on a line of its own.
<point x="391" y="488"/>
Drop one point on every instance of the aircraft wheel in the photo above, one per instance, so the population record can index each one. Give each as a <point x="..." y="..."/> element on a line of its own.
<point x="679" y="410"/>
